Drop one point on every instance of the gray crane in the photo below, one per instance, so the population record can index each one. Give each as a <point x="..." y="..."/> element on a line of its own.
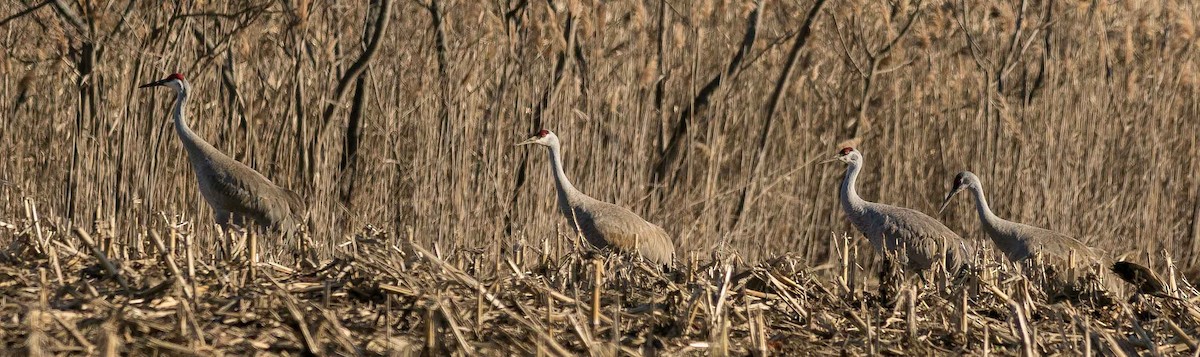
<point x="602" y="224"/>
<point x="912" y="239"/>
<point x="237" y="194"/>
<point x="1067" y="264"/>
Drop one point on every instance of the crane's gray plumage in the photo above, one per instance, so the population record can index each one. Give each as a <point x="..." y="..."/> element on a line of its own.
<point x="916" y="240"/>
<point x="1064" y="258"/>
<point x="602" y="224"/>
<point x="237" y="194"/>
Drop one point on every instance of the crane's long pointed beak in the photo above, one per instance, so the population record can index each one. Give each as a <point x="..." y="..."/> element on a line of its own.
<point x="946" y="201"/>
<point x="527" y="141"/>
<point x="153" y="84"/>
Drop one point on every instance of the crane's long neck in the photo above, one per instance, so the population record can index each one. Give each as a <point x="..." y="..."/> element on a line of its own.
<point x="851" y="202"/>
<point x="990" y="222"/>
<point x="192" y="142"/>
<point x="566" y="191"/>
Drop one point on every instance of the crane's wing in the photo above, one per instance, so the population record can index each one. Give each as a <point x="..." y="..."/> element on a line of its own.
<point x="294" y="202"/>
<point x="1066" y="262"/>
<point x="922" y="237"/>
<point x="622" y="229"/>
<point x="1060" y="249"/>
<point x="238" y="189"/>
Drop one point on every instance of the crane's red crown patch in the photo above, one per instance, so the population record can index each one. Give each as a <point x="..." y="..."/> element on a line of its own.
<point x="176" y="76"/>
<point x="542" y="133"/>
<point x="845" y="151"/>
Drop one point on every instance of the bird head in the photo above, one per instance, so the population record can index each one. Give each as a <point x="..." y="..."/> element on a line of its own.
<point x="848" y="155"/>
<point x="541" y="137"/>
<point x="962" y="181"/>
<point x="175" y="81"/>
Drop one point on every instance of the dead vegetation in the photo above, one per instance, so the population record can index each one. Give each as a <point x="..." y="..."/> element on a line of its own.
<point x="395" y="121"/>
<point x="380" y="294"/>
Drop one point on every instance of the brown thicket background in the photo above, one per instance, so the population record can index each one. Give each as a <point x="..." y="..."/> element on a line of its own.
<point x="1079" y="116"/>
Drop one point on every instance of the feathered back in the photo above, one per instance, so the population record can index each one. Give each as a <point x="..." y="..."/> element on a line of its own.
<point x="606" y="225"/>
<point x="915" y="238"/>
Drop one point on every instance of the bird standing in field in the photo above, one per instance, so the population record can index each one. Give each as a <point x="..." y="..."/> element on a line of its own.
<point x="1068" y="265"/>
<point x="602" y="224"/>
<point x="237" y="194"/>
<point x="914" y="241"/>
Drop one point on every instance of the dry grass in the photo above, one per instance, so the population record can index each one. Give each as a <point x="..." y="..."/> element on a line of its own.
<point x="1087" y="124"/>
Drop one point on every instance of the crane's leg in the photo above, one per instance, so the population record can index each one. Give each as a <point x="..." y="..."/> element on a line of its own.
<point x="222" y="217"/>
<point x="888" y="282"/>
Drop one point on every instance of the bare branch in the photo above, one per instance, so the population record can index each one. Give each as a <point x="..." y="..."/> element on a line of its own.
<point x="781" y="86"/>
<point x="903" y="31"/>
<point x="1016" y="37"/>
<point x="70" y="16"/>
<point x="860" y="36"/>
<point x="1033" y="36"/>
<point x="129" y="6"/>
<point x="670" y="158"/>
<point x="24" y="12"/>
<point x="893" y="69"/>
<point x="845" y="46"/>
<point x="976" y="52"/>
<point x="385" y="10"/>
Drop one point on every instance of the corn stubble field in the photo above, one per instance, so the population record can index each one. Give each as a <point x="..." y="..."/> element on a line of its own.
<point x="432" y="234"/>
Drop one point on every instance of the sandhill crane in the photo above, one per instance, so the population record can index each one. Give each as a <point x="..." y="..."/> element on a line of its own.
<point x="236" y="193"/>
<point x="602" y="224"/>
<point x="916" y="241"/>
<point x="1065" y="261"/>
